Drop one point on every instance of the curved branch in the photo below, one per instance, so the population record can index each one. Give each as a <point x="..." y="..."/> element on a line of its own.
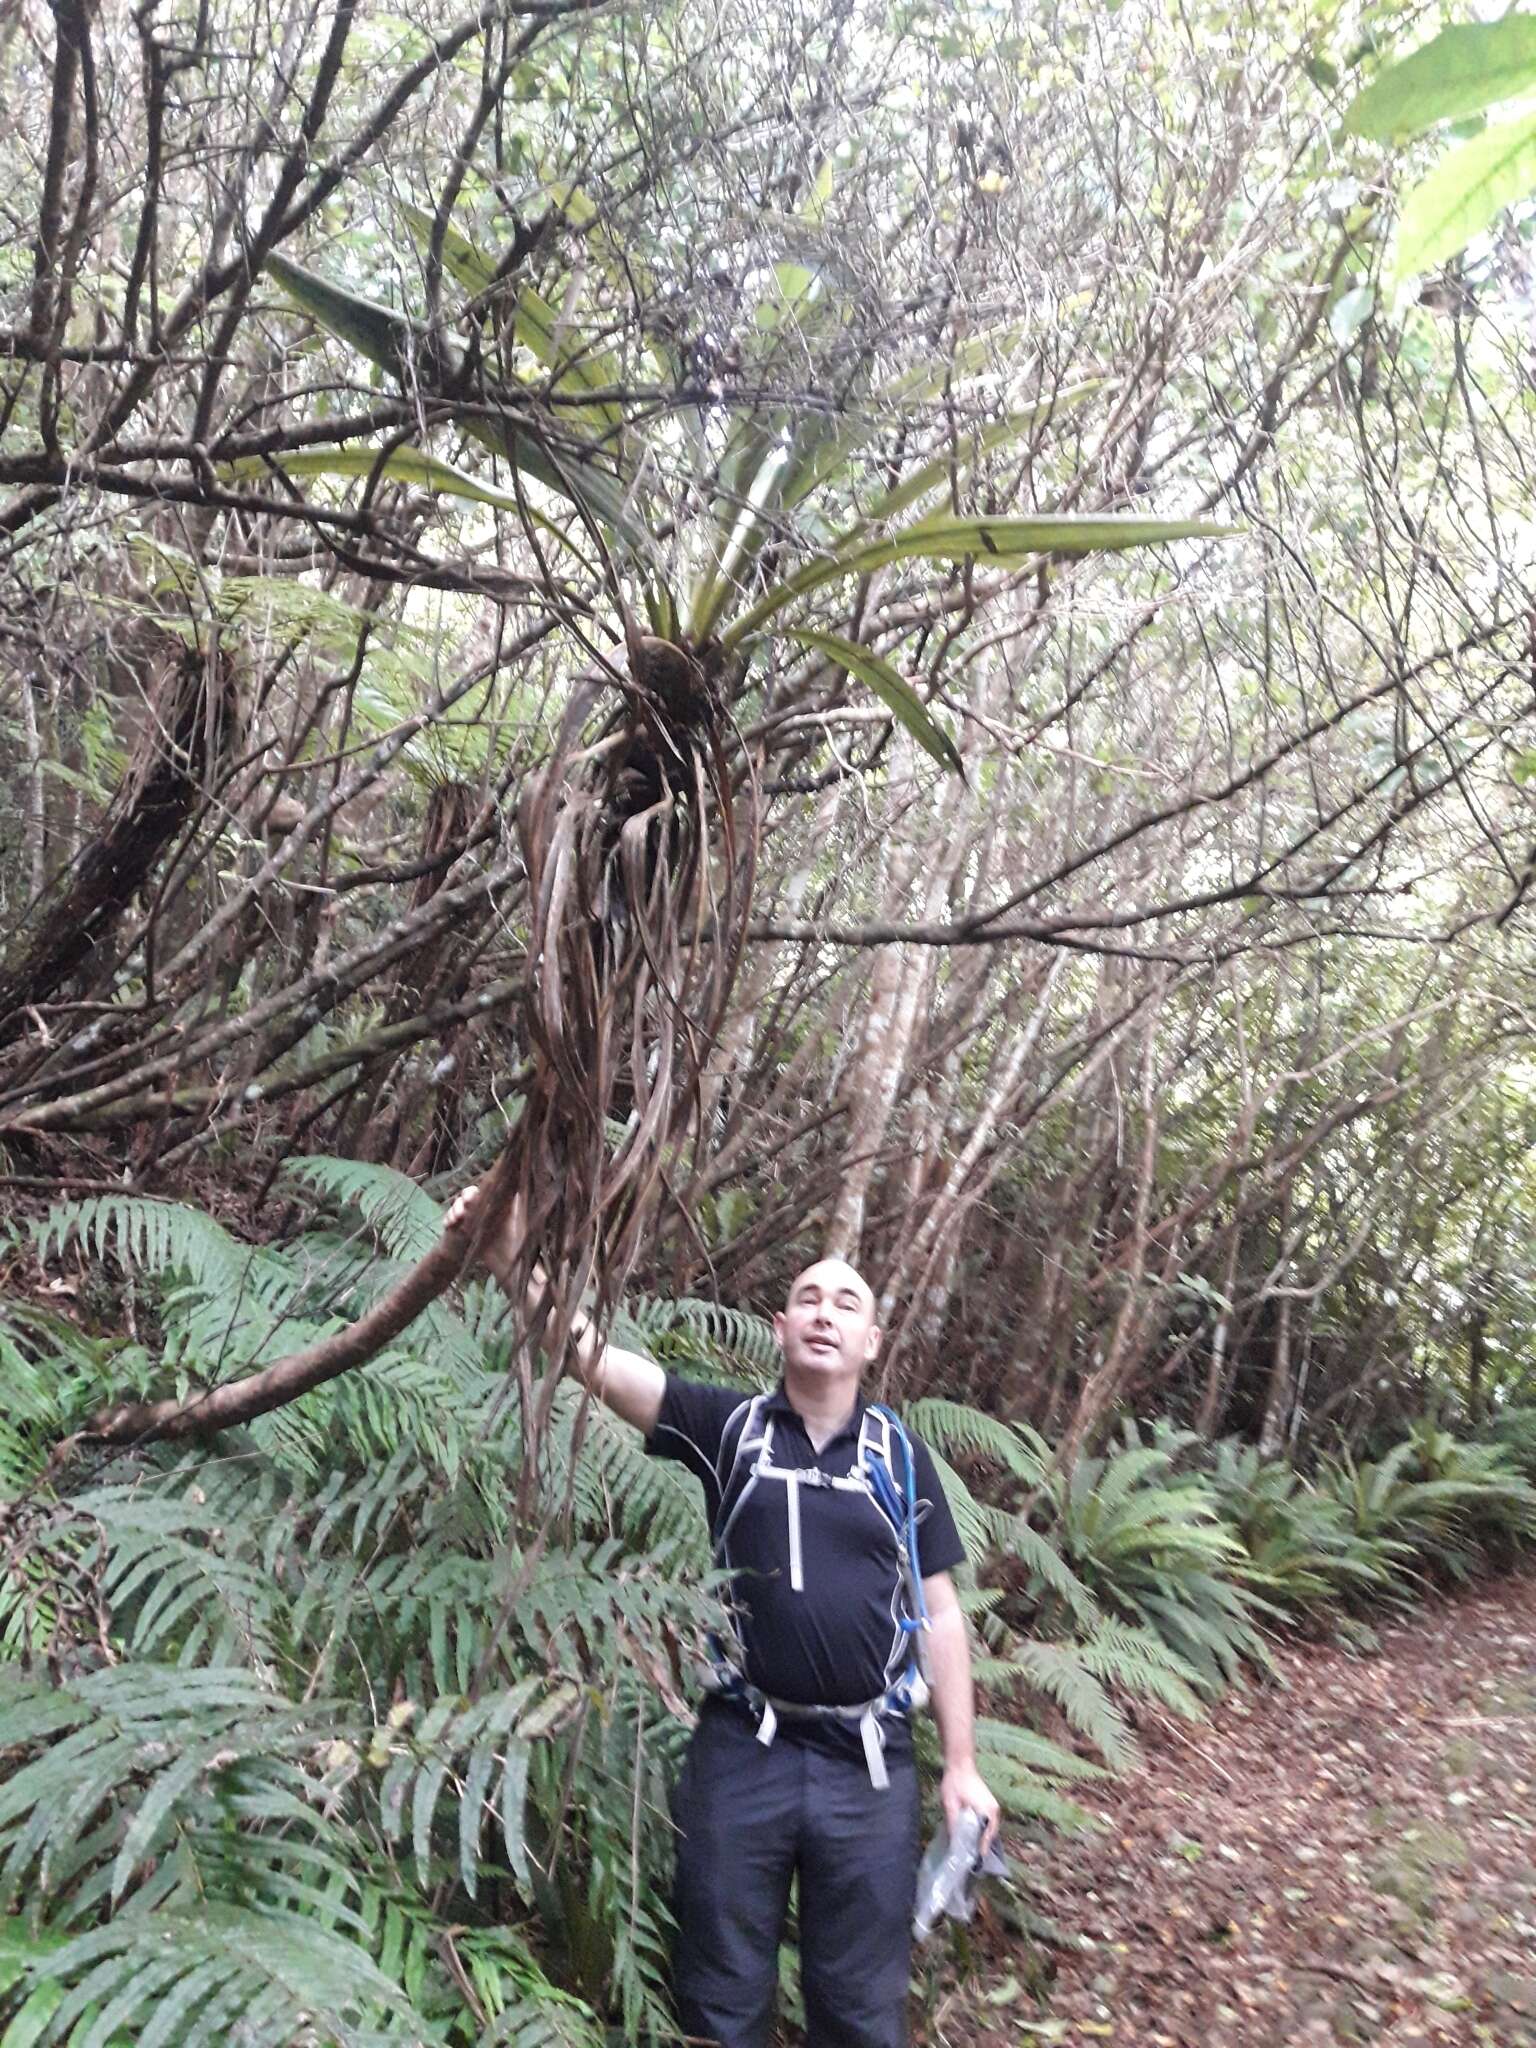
<point x="240" y="1401"/>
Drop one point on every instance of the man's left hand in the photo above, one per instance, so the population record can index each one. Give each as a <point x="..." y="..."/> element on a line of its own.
<point x="963" y="1785"/>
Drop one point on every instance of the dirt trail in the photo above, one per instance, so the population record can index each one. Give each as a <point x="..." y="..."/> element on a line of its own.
<point x="1351" y="1859"/>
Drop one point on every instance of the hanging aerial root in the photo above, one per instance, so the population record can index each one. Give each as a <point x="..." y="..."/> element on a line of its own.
<point x="640" y="889"/>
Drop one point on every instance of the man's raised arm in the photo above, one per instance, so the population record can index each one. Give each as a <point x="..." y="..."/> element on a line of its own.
<point x="625" y="1381"/>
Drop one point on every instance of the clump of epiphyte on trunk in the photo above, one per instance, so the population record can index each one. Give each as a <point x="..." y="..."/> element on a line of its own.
<point x="640" y="846"/>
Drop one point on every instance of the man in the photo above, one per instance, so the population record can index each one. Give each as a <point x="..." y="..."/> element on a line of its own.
<point x="801" y="1762"/>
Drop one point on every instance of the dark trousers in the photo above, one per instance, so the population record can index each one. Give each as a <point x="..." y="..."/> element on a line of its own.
<point x="750" y="1818"/>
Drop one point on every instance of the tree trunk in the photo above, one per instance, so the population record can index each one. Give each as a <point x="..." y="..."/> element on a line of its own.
<point x="1477" y="1349"/>
<point x="901" y="975"/>
<point x="1214" y="1400"/>
<point x="192" y="716"/>
<point x="1277" y="1407"/>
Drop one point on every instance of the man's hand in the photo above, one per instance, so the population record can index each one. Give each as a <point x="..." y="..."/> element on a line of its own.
<point x="949" y="1675"/>
<point x="630" y="1385"/>
<point x="963" y="1785"/>
<point x="499" y="1251"/>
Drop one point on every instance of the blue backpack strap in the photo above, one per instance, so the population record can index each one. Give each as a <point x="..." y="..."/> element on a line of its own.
<point x="897" y="1495"/>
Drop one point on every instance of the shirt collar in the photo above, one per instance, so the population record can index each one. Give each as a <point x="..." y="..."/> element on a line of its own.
<point x="779" y="1403"/>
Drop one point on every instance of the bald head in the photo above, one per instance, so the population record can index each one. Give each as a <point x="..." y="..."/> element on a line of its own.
<point x="826" y="1329"/>
<point x="834" y="1274"/>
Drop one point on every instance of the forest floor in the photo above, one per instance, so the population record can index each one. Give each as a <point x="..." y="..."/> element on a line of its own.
<point x="1348" y="1858"/>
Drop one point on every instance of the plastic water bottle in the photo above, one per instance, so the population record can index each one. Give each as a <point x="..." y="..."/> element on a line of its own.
<point x="946" y="1876"/>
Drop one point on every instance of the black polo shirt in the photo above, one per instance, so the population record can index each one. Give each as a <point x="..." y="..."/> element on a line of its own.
<point x="834" y="1641"/>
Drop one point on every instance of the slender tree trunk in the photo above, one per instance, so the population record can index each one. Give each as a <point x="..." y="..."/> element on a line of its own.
<point x="1214" y="1400"/>
<point x="901" y="974"/>
<point x="35" y="814"/>
<point x="1107" y="1381"/>
<point x="1277" y="1406"/>
<point x="921" y="1274"/>
<point x="192" y="716"/>
<point x="1477" y="1348"/>
<point x="1303" y="1374"/>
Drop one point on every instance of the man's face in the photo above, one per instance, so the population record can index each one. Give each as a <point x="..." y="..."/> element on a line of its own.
<point x="827" y="1330"/>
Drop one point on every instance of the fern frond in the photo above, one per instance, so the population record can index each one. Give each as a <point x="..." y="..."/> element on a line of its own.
<point x="691" y="1333"/>
<point x="206" y="1974"/>
<point x="407" y="1220"/>
<point x="1123" y="1474"/>
<point x="1141" y="1663"/>
<point x="1065" y="1676"/>
<point x="973" y="1522"/>
<point x="151" y="1237"/>
<point x="1037" y="1551"/>
<point x="963" y="1431"/>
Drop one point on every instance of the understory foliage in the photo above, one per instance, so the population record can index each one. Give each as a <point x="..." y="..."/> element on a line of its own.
<point x="308" y="1738"/>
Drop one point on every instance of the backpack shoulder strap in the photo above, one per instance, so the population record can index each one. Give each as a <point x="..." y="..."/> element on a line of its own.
<point x="892" y="1432"/>
<point x="753" y="1436"/>
<point x="743" y="1431"/>
<point x="895" y="1483"/>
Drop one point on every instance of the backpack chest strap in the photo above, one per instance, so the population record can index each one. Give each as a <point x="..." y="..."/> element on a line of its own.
<point x="793" y="1477"/>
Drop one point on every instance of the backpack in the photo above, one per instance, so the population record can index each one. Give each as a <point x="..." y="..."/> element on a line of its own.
<point x="885" y="1470"/>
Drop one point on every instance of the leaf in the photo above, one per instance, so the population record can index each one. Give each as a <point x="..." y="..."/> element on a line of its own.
<point x="793" y="287"/>
<point x="31" y="2023"/>
<point x="821" y="191"/>
<point x="386" y="338"/>
<point x="893" y="690"/>
<point x="577" y="207"/>
<point x="913" y="387"/>
<point x="539" y="327"/>
<point x="1350" y="313"/>
<point x="551" y="1710"/>
<point x="947" y="539"/>
<point x="1464" y="192"/>
<point x="969" y="450"/>
<point x="461" y="259"/>
<point x="375" y="331"/>
<point x="1460" y="71"/>
<point x="404" y="465"/>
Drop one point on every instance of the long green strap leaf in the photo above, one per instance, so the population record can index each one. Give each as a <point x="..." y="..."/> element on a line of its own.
<point x="968" y="451"/>
<point x="955" y="540"/>
<point x="375" y="331"/>
<point x="749" y="528"/>
<point x="405" y="464"/>
<point x="891" y="687"/>
<point x="461" y="259"/>
<point x="386" y="337"/>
